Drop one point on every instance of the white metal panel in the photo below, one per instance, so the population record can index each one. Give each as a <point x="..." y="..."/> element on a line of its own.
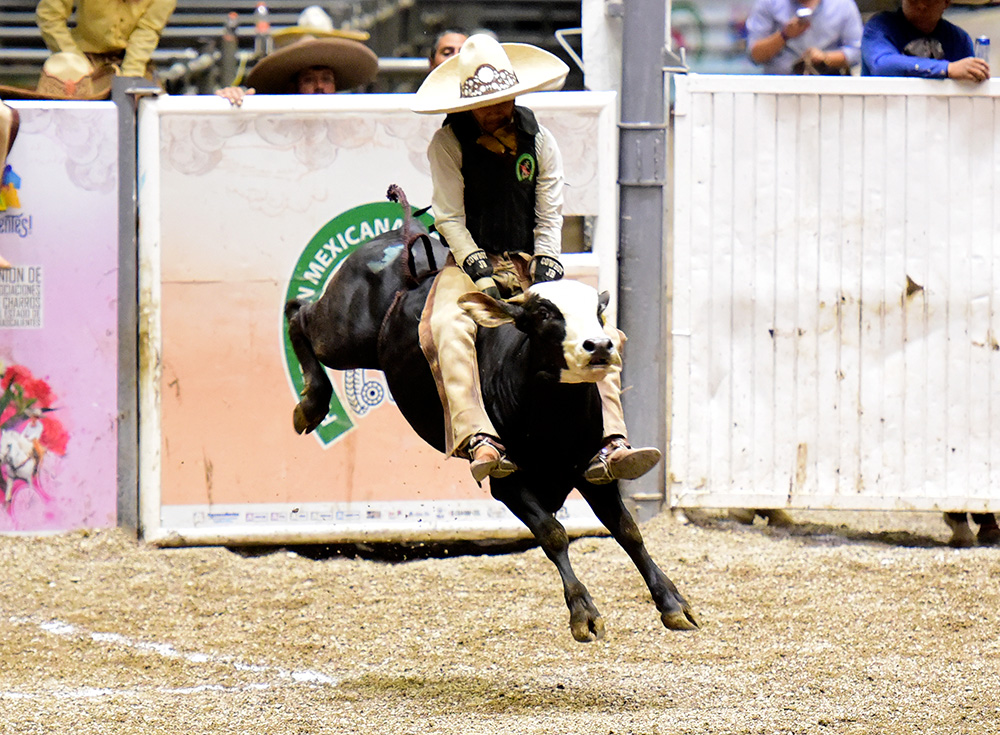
<point x="836" y="261"/>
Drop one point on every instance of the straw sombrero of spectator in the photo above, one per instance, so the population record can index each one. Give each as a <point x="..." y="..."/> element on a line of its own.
<point x="66" y="76"/>
<point x="314" y="42"/>
<point x="485" y="72"/>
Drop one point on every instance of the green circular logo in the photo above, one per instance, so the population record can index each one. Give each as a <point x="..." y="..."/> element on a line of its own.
<point x="327" y="249"/>
<point x="525" y="167"/>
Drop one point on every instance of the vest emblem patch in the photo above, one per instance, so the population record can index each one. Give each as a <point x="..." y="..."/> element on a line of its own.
<point x="526" y="167"/>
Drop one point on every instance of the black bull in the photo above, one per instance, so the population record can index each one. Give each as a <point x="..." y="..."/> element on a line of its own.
<point x="368" y="317"/>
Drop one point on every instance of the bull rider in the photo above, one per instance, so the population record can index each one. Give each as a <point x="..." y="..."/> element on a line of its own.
<point x="497" y="203"/>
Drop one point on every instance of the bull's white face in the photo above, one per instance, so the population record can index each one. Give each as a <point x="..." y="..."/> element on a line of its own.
<point x="590" y="352"/>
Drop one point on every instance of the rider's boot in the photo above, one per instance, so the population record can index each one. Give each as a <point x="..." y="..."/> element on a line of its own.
<point x="618" y="460"/>
<point x="488" y="458"/>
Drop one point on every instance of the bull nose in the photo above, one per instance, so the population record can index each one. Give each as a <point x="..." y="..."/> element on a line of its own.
<point x="595" y="345"/>
<point x="599" y="349"/>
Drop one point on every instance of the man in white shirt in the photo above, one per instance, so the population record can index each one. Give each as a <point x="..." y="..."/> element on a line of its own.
<point x="497" y="203"/>
<point x="804" y="36"/>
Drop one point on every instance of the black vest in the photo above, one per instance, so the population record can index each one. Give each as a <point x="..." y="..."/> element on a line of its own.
<point x="499" y="188"/>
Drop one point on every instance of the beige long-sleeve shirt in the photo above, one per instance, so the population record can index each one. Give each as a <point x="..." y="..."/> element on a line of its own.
<point x="103" y="26"/>
<point x="448" y="199"/>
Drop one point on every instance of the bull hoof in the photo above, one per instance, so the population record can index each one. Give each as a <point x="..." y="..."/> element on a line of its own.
<point x="301" y="423"/>
<point x="586" y="627"/>
<point x="680" y="620"/>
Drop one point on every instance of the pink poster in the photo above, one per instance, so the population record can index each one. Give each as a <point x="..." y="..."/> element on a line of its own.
<point x="58" y="319"/>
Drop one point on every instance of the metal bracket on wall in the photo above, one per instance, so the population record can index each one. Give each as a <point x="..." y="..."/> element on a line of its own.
<point x="673" y="62"/>
<point x="143" y="91"/>
<point x="561" y="38"/>
<point x="647" y="139"/>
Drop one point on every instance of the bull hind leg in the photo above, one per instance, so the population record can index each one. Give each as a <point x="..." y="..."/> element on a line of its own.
<point x="317" y="392"/>
<point x="606" y="501"/>
<point x="585" y="621"/>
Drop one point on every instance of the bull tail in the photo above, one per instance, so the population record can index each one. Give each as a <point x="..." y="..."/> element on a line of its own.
<point x="396" y="194"/>
<point x="292" y="308"/>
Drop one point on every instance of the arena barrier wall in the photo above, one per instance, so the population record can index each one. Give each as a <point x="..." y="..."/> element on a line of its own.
<point x="836" y="294"/>
<point x="58" y="319"/>
<point x="240" y="209"/>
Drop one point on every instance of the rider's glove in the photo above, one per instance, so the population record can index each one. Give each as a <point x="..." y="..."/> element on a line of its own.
<point x="478" y="267"/>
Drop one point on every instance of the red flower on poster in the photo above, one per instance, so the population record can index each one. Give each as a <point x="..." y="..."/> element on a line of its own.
<point x="27" y="434"/>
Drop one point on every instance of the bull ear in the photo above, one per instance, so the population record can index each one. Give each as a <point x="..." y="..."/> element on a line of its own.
<point x="487" y="311"/>
<point x="602" y="301"/>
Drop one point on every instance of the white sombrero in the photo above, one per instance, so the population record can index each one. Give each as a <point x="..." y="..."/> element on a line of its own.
<point x="314" y="42"/>
<point x="485" y="72"/>
<point x="314" y="22"/>
<point x="66" y="76"/>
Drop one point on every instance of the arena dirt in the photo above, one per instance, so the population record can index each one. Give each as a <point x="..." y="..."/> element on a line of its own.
<point x="845" y="623"/>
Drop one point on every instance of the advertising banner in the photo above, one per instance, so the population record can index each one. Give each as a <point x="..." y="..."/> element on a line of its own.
<point x="244" y="208"/>
<point x="58" y="319"/>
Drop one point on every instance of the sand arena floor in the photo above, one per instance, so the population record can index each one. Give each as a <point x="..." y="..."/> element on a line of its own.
<point x="846" y="623"/>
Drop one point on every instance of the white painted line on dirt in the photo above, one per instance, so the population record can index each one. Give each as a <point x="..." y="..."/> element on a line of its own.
<point x="93" y="693"/>
<point x="61" y="628"/>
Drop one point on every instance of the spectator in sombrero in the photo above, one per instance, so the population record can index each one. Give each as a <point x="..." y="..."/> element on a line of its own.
<point x="310" y="58"/>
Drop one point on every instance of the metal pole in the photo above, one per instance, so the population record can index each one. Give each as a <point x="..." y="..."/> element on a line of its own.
<point x="642" y="168"/>
<point x="123" y="93"/>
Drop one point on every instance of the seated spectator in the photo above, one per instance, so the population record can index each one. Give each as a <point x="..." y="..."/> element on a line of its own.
<point x="916" y="41"/>
<point x="116" y="37"/>
<point x="447" y="44"/>
<point x="310" y="58"/>
<point x="804" y="37"/>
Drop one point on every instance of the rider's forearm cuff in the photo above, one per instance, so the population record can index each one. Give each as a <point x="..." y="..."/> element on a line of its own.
<point x="477" y="265"/>
<point x="546" y="268"/>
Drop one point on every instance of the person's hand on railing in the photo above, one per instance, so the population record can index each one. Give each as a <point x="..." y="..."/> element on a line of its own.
<point x="235" y="95"/>
<point x="969" y="69"/>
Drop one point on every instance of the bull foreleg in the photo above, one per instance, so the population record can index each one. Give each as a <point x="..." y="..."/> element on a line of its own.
<point x="675" y="612"/>
<point x="316" y="395"/>
<point x="585" y="621"/>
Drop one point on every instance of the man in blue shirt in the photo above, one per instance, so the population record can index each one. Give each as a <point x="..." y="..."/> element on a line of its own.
<point x="788" y="36"/>
<point x="915" y="41"/>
